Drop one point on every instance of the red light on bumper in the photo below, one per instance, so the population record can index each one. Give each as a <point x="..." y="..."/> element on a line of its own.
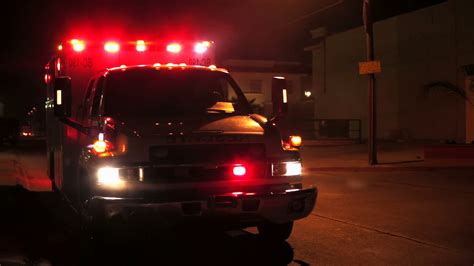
<point x="239" y="170"/>
<point x="173" y="48"/>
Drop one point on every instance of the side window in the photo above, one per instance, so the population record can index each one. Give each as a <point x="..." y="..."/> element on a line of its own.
<point x="86" y="104"/>
<point x="229" y="93"/>
<point x="97" y="100"/>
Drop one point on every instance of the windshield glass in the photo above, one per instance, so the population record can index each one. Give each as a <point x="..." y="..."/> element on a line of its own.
<point x="171" y="92"/>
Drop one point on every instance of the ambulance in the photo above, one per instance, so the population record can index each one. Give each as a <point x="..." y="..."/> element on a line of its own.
<point x="152" y="132"/>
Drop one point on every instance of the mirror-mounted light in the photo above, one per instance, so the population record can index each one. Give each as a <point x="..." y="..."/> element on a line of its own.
<point x="62" y="96"/>
<point x="279" y="96"/>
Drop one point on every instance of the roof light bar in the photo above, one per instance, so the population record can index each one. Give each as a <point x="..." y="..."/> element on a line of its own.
<point x="111" y="47"/>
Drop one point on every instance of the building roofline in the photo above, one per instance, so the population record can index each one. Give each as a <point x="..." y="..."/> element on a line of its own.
<point x="266" y="66"/>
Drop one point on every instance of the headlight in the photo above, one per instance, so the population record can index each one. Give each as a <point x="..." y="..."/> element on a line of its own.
<point x="109" y="177"/>
<point x="286" y="169"/>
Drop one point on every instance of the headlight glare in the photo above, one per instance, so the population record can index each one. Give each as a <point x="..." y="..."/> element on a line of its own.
<point x="109" y="176"/>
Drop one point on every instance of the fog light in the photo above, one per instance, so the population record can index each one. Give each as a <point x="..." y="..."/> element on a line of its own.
<point x="109" y="176"/>
<point x="293" y="168"/>
<point x="286" y="169"/>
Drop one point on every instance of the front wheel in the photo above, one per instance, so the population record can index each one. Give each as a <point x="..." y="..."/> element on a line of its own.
<point x="274" y="231"/>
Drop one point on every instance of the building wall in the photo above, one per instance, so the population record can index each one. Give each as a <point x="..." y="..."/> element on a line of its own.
<point x="427" y="54"/>
<point x="415" y="49"/>
<point x="470" y="109"/>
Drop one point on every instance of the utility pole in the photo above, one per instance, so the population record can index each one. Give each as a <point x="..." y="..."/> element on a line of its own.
<point x="372" y="115"/>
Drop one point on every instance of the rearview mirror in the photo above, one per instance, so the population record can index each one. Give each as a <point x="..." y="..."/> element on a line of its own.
<point x="279" y="96"/>
<point x="62" y="97"/>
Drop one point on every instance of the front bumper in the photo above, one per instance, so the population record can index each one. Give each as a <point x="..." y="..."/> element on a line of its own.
<point x="237" y="208"/>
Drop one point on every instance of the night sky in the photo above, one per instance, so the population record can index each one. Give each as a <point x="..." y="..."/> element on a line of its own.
<point x="247" y="29"/>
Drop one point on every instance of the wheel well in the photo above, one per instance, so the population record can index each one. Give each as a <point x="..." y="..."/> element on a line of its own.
<point x="83" y="184"/>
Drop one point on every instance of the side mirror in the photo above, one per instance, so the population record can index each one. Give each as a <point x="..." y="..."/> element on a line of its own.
<point x="279" y="97"/>
<point x="62" y="97"/>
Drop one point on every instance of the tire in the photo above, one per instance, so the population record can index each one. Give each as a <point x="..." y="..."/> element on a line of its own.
<point x="90" y="241"/>
<point x="274" y="231"/>
<point x="51" y="172"/>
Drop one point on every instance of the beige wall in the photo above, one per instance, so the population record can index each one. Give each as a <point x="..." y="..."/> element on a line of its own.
<point x="415" y="49"/>
<point x="345" y="94"/>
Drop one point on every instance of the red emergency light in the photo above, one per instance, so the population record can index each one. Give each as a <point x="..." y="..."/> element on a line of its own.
<point x="132" y="52"/>
<point x="141" y="46"/>
<point x="173" y="48"/>
<point x="112" y="47"/>
<point x="201" y="47"/>
<point x="47" y="78"/>
<point x="78" y="45"/>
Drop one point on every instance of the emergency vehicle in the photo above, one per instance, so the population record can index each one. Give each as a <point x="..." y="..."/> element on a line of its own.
<point x="151" y="130"/>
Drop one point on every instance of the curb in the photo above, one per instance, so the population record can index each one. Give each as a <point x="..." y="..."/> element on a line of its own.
<point x="21" y="177"/>
<point x="26" y="181"/>
<point x="387" y="168"/>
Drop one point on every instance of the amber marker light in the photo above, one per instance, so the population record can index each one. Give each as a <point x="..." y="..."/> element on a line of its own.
<point x="296" y="141"/>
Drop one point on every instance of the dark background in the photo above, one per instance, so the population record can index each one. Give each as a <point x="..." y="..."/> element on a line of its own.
<point x="245" y="29"/>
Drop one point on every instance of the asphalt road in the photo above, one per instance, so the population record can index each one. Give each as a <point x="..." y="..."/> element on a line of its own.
<point x="417" y="218"/>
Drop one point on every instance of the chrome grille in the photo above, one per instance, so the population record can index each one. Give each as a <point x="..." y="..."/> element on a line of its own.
<point x="205" y="154"/>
